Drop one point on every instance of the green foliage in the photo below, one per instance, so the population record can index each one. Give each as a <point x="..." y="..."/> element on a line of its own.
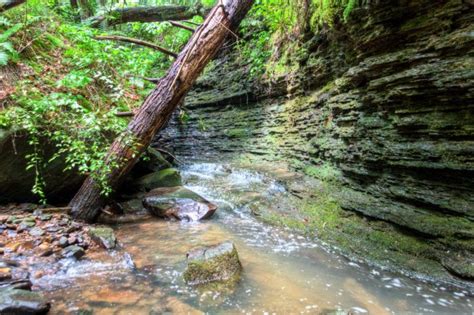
<point x="7" y="52"/>
<point x="70" y="92"/>
<point x="326" y="11"/>
<point x="274" y="27"/>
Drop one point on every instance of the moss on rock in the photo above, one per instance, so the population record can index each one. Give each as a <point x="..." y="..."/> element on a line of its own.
<point x="219" y="263"/>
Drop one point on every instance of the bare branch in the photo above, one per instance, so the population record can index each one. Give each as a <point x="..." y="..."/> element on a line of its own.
<point x="185" y="27"/>
<point x="137" y="42"/>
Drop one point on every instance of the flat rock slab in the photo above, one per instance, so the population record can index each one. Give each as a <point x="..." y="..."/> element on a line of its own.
<point x="14" y="301"/>
<point x="218" y="263"/>
<point x="178" y="203"/>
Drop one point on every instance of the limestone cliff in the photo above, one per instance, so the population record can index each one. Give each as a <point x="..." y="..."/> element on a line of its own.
<point x="385" y="101"/>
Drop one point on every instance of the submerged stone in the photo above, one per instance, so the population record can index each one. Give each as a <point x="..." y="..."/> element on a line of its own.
<point x="219" y="263"/>
<point x="14" y="301"/>
<point x="179" y="203"/>
<point x="104" y="236"/>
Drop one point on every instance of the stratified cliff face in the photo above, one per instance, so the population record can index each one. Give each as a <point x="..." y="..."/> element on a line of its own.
<point x="385" y="100"/>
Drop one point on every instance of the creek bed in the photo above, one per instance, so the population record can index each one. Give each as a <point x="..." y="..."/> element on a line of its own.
<point x="283" y="272"/>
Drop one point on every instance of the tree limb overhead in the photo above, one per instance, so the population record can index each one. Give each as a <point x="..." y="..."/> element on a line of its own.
<point x="147" y="14"/>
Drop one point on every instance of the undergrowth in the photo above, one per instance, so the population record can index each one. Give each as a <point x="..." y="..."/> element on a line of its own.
<point x="70" y="86"/>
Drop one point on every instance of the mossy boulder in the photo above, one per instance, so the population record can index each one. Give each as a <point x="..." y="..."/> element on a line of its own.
<point x="219" y="263"/>
<point x="168" y="177"/>
<point x="14" y="301"/>
<point x="178" y="203"/>
<point x="103" y="236"/>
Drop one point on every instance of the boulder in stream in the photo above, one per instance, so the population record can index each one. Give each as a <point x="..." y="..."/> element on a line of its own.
<point x="103" y="236"/>
<point x="219" y="263"/>
<point x="14" y="301"/>
<point x="179" y="203"/>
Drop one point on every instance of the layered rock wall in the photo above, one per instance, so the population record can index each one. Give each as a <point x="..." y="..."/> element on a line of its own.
<point x="383" y="104"/>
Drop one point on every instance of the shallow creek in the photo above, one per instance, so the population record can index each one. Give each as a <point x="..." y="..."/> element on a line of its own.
<point x="283" y="272"/>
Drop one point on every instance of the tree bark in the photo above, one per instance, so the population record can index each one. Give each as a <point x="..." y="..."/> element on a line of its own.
<point x="161" y="102"/>
<point x="147" y="14"/>
<point x="8" y="4"/>
<point x="138" y="42"/>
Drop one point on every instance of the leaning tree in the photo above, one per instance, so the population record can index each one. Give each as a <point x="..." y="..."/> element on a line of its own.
<point x="160" y="103"/>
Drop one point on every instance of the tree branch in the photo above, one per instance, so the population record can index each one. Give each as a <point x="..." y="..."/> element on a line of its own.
<point x="185" y="27"/>
<point x="192" y="23"/>
<point x="137" y="42"/>
<point x="8" y="4"/>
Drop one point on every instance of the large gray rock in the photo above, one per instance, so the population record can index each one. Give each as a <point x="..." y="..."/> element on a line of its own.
<point x="179" y="203"/>
<point x="219" y="263"/>
<point x="22" y="302"/>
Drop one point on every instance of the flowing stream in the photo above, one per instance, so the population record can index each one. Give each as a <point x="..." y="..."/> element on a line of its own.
<point x="284" y="273"/>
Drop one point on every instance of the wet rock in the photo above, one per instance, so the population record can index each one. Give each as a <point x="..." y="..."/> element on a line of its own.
<point x="29" y="221"/>
<point x="179" y="203"/>
<point x="72" y="240"/>
<point x="23" y="284"/>
<point x="45" y="217"/>
<point x="14" y="301"/>
<point x="47" y="252"/>
<point x="73" y="251"/>
<point x="5" y="273"/>
<point x="219" y="263"/>
<point x="64" y="222"/>
<point x="37" y="231"/>
<point x="165" y="178"/>
<point x="22" y="227"/>
<point x="63" y="242"/>
<point x="104" y="236"/>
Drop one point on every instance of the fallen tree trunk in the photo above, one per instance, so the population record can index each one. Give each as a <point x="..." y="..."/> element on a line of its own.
<point x="8" y="4"/>
<point x="160" y="103"/>
<point x="160" y="13"/>
<point x="137" y="42"/>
